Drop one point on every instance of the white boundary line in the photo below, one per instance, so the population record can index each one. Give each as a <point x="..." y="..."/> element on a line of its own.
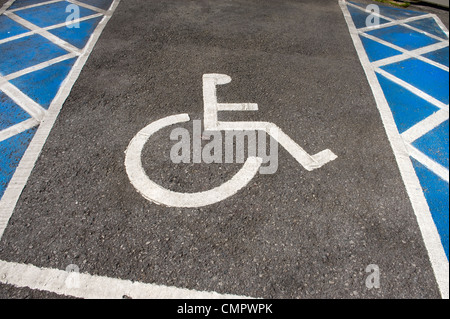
<point x="93" y="287"/>
<point x="430" y="234"/>
<point x="6" y="6"/>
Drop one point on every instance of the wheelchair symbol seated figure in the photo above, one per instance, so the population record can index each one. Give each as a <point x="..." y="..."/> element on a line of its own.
<point x="162" y="196"/>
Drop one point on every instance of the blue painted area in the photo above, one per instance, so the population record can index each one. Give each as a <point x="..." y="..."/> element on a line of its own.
<point x="10" y="113"/>
<point x="439" y="56"/>
<point x="10" y="28"/>
<point x="403" y="37"/>
<point x="101" y="4"/>
<point x="376" y="51"/>
<point x="360" y="17"/>
<point x="436" y="192"/>
<point x="25" y="52"/>
<point x="78" y="36"/>
<point x="426" y="77"/>
<point x="429" y="25"/>
<point x="11" y="152"/>
<point x="391" y="12"/>
<point x="435" y="145"/>
<point x="51" y="14"/>
<point x="50" y="78"/>
<point x="23" y="3"/>
<point x="407" y="108"/>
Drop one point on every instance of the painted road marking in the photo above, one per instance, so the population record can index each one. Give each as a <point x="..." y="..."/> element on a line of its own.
<point x="161" y="196"/>
<point x="94" y="287"/>
<point x="32" y="54"/>
<point x="406" y="62"/>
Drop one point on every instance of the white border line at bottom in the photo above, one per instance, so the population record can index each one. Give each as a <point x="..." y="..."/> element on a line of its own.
<point x="93" y="287"/>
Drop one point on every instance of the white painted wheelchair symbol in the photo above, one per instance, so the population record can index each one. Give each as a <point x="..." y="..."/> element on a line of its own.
<point x="162" y="196"/>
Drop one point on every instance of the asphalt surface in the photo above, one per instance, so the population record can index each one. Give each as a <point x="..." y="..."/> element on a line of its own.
<point x="294" y="234"/>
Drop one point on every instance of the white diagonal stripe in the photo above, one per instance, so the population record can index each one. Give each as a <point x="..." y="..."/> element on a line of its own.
<point x="39" y="66"/>
<point x="27" y="104"/>
<point x="425" y="126"/>
<point x="17" y="129"/>
<point x="432" y="165"/>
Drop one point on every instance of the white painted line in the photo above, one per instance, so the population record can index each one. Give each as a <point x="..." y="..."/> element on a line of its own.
<point x="17" y="129"/>
<point x="49" y="36"/>
<point x="430" y="234"/>
<point x="29" y="105"/>
<point x="413" y="89"/>
<point x="433" y="166"/>
<point x="6" y="6"/>
<point x="425" y="126"/>
<point x="43" y="3"/>
<point x="94" y="287"/>
<point x="39" y="66"/>
<point x="237" y="107"/>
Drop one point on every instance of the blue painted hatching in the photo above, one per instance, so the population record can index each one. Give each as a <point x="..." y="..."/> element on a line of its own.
<point x="43" y="85"/>
<point x="403" y="37"/>
<point x="435" y="145"/>
<point x="426" y="77"/>
<point x="10" y="28"/>
<point x="11" y="152"/>
<point x="23" y="3"/>
<point x="429" y="25"/>
<point x="78" y="37"/>
<point x="407" y="108"/>
<point x="11" y="113"/>
<point x="26" y="52"/>
<point x="377" y="51"/>
<point x="101" y="4"/>
<point x="436" y="192"/>
<point x="439" y="56"/>
<point x="51" y="14"/>
<point x="360" y="17"/>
